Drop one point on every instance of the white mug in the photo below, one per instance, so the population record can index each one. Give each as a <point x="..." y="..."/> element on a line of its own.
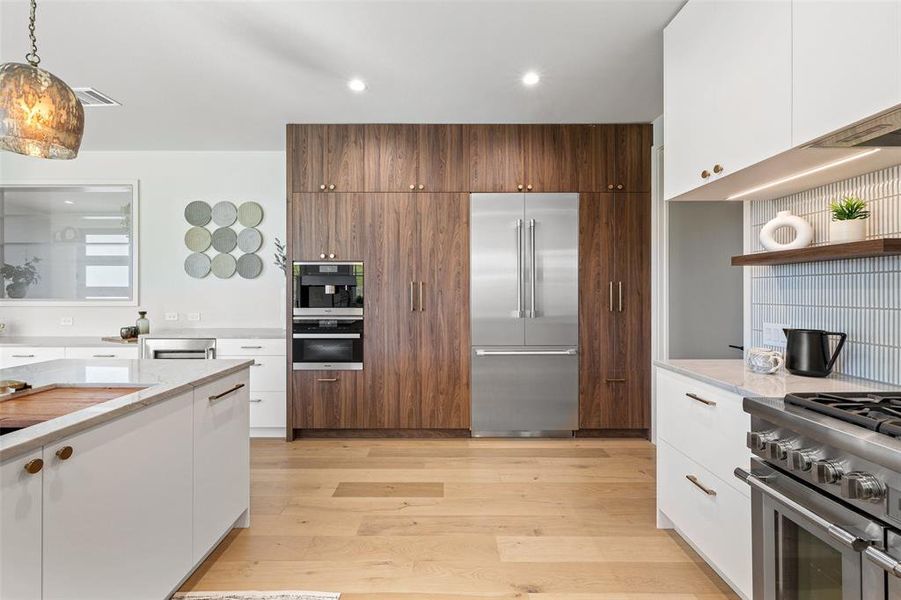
<point x="764" y="360"/>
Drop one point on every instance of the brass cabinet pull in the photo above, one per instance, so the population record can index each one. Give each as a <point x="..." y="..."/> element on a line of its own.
<point x="609" y="186"/>
<point x="34" y="466"/>
<point x="327" y="379"/>
<point x="421" y="187"/>
<point x="519" y="187"/>
<point x="331" y="186"/>
<point x="412" y="186"/>
<point x="412" y="301"/>
<point x="700" y="486"/>
<point x="620" y="296"/>
<point x="717" y="169"/>
<point x="705" y="174"/>
<point x="322" y="255"/>
<point x="332" y="255"/>
<point x="322" y="187"/>
<point x="226" y="392"/>
<point x="619" y="186"/>
<point x="616" y="380"/>
<point x="421" y="305"/>
<point x="529" y="187"/>
<point x="64" y="453"/>
<point x="701" y="400"/>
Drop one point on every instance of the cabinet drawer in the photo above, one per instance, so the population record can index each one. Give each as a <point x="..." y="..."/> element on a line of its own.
<point x="250" y="347"/>
<point x="14" y="356"/>
<point x="127" y="352"/>
<point x="705" y="423"/>
<point x="267" y="373"/>
<point x="267" y="409"/>
<point x="718" y="524"/>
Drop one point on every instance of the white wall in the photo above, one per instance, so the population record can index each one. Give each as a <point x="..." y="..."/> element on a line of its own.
<point x="167" y="182"/>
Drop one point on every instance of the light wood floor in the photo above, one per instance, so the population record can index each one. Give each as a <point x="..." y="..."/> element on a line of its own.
<point x="457" y="519"/>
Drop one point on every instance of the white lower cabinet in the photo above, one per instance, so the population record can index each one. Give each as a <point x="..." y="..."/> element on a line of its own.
<point x="20" y="527"/>
<point x="268" y="381"/>
<point x="125" y="352"/>
<point x="16" y="356"/>
<point x="221" y="459"/>
<point x="118" y="512"/>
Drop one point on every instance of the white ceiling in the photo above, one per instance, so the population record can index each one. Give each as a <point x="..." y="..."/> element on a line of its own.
<point x="228" y="75"/>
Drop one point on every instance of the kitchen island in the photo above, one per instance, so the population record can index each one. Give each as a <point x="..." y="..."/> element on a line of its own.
<point x="121" y="497"/>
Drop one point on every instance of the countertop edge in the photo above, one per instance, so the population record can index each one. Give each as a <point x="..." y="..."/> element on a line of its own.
<point x="723" y="385"/>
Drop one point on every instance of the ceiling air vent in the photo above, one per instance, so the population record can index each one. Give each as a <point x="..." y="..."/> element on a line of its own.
<point x="91" y="97"/>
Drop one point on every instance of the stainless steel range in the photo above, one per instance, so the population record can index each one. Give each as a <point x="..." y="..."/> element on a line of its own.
<point x="826" y="496"/>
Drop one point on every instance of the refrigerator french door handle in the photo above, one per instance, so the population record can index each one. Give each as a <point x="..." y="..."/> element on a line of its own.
<point x="519" y="265"/>
<point x="533" y="304"/>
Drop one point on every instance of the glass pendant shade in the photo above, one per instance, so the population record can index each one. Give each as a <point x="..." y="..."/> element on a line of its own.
<point x="39" y="114"/>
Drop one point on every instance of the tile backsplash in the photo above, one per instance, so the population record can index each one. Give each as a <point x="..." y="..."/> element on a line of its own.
<point x="860" y="297"/>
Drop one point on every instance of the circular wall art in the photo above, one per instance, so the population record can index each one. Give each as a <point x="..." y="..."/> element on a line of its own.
<point x="197" y="265"/>
<point x="250" y="240"/>
<point x="224" y="239"/>
<point x="198" y="239"/>
<point x="198" y="213"/>
<point x="224" y="214"/>
<point x="223" y="266"/>
<point x="250" y="214"/>
<point x="249" y="266"/>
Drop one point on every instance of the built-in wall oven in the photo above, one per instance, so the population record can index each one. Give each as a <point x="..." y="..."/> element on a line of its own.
<point x="328" y="343"/>
<point x="333" y="288"/>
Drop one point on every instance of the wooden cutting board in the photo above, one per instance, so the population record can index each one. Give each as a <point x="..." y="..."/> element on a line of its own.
<point x="32" y="407"/>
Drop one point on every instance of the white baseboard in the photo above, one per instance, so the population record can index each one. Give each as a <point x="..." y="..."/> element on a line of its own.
<point x="267" y="432"/>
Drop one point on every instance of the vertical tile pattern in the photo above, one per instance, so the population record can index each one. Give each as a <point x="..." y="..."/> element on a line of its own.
<point x="860" y="297"/>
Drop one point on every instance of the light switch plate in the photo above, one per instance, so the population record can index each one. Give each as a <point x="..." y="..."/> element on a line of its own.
<point x="65" y="321"/>
<point x="195" y="316"/>
<point x="172" y="316"/>
<point x="773" y="334"/>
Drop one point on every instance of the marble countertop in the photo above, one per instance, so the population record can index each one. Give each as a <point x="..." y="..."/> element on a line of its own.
<point x="257" y="333"/>
<point x="154" y="381"/>
<point x="59" y="341"/>
<point x="733" y="376"/>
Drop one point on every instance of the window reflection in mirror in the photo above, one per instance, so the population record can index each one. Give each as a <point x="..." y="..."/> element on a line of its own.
<point x="68" y="243"/>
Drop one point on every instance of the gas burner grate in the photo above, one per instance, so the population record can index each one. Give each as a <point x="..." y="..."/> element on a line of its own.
<point x="878" y="411"/>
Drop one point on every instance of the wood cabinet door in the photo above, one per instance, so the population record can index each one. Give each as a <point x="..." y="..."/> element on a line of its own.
<point x="347" y="225"/>
<point x="392" y="158"/>
<point x="632" y="317"/>
<point x="595" y="148"/>
<point x="346" y="158"/>
<point x="443" y="311"/>
<point x="310" y="224"/>
<point x="496" y="158"/>
<point x="443" y="158"/>
<point x="390" y="302"/>
<point x="597" y="303"/>
<point x="551" y="158"/>
<point x="633" y="158"/>
<point x="307" y="157"/>
<point x="329" y="400"/>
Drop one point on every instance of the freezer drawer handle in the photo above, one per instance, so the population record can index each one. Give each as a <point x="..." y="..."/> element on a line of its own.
<point x="570" y="352"/>
<point x="837" y="533"/>
<point x="888" y="564"/>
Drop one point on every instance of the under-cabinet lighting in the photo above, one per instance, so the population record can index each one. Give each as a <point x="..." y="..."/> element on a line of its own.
<point x="818" y="169"/>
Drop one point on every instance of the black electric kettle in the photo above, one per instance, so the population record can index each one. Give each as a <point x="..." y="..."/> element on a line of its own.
<point x="807" y="351"/>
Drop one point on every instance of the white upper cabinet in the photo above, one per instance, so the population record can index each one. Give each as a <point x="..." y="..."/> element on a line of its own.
<point x="846" y="59"/>
<point x="727" y="89"/>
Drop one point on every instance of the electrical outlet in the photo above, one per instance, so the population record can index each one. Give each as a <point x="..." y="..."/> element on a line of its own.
<point x="65" y="321"/>
<point x="194" y="316"/>
<point x="773" y="334"/>
<point x="172" y="316"/>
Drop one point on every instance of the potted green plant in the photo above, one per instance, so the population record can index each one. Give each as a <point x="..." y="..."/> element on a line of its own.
<point x="848" y="223"/>
<point x="20" y="277"/>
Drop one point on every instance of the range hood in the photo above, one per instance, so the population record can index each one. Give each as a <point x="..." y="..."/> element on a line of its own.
<point x="881" y="131"/>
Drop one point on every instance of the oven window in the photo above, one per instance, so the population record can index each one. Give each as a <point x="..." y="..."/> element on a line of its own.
<point x="328" y="350"/>
<point x="809" y="568"/>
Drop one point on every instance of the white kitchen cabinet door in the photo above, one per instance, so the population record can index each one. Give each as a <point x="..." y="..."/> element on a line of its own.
<point x="267" y="373"/>
<point x="101" y="352"/>
<point x="16" y="356"/>
<point x="267" y="409"/>
<point x="846" y="61"/>
<point x="221" y="459"/>
<point x="20" y="528"/>
<point x="117" y="512"/>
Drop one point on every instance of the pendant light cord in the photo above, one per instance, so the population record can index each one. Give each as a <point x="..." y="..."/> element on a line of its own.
<point x="32" y="57"/>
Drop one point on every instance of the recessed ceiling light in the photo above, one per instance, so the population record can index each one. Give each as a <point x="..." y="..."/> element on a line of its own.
<point x="356" y="85"/>
<point x="530" y="78"/>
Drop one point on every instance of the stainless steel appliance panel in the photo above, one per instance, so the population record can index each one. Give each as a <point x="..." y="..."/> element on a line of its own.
<point x="525" y="390"/>
<point x="178" y="348"/>
<point x="552" y="269"/>
<point x="496" y="268"/>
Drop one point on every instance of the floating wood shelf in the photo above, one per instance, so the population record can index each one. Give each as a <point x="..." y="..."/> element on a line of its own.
<point x="864" y="249"/>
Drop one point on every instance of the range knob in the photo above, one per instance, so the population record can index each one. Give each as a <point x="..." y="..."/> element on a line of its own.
<point x="757" y="440"/>
<point x="778" y="449"/>
<point x="827" y="471"/>
<point x="858" y="485"/>
<point x="802" y="460"/>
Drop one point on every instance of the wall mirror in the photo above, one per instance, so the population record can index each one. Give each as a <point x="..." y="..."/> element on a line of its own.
<point x="68" y="244"/>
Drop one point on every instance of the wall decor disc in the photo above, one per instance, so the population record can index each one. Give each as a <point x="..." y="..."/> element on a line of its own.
<point x="197" y="265"/>
<point x="250" y="240"/>
<point x="224" y="239"/>
<point x="198" y="239"/>
<point x="250" y="214"/>
<point x="224" y="214"/>
<point x="198" y="213"/>
<point x="250" y="266"/>
<point x="223" y="266"/>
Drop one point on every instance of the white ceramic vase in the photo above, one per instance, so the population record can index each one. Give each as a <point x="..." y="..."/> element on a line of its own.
<point x="842" y="232"/>
<point x="803" y="232"/>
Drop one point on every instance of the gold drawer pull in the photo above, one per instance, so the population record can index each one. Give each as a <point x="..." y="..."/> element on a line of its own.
<point x="64" y="453"/>
<point x="701" y="400"/>
<point x="614" y="380"/>
<point x="327" y="379"/>
<point x="226" y="392"/>
<point x="700" y="486"/>
<point x="34" y="466"/>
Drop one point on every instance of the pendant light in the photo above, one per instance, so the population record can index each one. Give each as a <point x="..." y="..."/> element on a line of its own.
<point x="39" y="114"/>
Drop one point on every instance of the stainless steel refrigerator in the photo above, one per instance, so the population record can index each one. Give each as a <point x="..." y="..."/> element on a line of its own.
<point x="524" y="267"/>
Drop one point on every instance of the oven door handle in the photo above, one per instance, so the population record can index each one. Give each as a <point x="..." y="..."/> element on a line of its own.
<point x="885" y="561"/>
<point x="844" y="537"/>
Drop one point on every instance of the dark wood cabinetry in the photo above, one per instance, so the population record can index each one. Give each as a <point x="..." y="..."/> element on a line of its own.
<point x="551" y="158"/>
<point x="331" y="399"/>
<point x="329" y="226"/>
<point x="633" y="158"/>
<point x="326" y="158"/>
<point x="496" y="158"/>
